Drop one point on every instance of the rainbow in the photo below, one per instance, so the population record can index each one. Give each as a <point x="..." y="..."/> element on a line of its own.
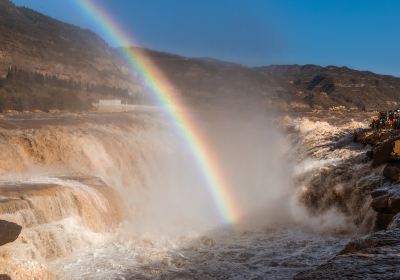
<point x="167" y="96"/>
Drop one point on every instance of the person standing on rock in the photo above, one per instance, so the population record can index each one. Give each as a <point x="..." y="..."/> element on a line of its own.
<point x="391" y="118"/>
<point x="398" y="121"/>
<point x="382" y="119"/>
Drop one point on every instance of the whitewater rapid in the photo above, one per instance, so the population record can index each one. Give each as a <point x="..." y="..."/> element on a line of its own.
<point x="263" y="254"/>
<point x="166" y="225"/>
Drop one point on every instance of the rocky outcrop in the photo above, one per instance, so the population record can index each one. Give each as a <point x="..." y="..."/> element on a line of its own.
<point x="392" y="171"/>
<point x="386" y="200"/>
<point x="373" y="256"/>
<point x="385" y="144"/>
<point x="9" y="232"/>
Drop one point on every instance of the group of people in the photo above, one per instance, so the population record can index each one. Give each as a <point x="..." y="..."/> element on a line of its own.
<point x="387" y="120"/>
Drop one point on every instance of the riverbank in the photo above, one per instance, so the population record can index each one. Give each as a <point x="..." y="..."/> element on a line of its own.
<point x="374" y="256"/>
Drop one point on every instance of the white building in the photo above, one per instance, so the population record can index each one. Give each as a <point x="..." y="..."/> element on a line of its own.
<point x="110" y="103"/>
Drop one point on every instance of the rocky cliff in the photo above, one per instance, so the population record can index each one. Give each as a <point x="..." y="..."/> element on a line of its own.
<point x="374" y="256"/>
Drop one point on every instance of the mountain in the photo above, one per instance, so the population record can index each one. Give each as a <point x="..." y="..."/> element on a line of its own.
<point x="326" y="87"/>
<point x="47" y="64"/>
<point x="42" y="44"/>
<point x="287" y="87"/>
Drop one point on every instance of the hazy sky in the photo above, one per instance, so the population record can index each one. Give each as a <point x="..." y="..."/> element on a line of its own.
<point x="362" y="34"/>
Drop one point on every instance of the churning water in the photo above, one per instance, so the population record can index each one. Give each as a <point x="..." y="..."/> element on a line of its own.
<point x="263" y="254"/>
<point x="171" y="228"/>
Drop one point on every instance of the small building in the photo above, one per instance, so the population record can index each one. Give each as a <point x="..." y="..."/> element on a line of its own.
<point x="110" y="103"/>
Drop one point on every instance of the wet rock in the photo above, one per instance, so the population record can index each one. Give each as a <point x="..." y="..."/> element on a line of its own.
<point x="374" y="137"/>
<point x="381" y="204"/>
<point x="377" y="239"/>
<point x="382" y="153"/>
<point x="392" y="171"/>
<point x="367" y="137"/>
<point x="378" y="192"/>
<point x="386" y="200"/>
<point x="371" y="257"/>
<point x="9" y="232"/>
<point x="395" y="222"/>
<point x="382" y="221"/>
<point x="374" y="256"/>
<point x="394" y="202"/>
<point x="385" y="144"/>
<point x="369" y="183"/>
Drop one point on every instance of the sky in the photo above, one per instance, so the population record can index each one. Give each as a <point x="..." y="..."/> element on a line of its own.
<point x="361" y="34"/>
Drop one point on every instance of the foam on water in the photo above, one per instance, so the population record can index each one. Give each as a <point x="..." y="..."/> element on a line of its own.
<point x="269" y="254"/>
<point x="171" y="231"/>
<point x="69" y="183"/>
<point x="276" y="253"/>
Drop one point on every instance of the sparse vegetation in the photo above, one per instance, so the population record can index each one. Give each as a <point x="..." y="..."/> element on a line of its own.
<point x="24" y="90"/>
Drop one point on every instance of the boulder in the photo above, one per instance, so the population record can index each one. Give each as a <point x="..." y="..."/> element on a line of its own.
<point x="379" y="192"/>
<point x="381" y="203"/>
<point x="382" y="221"/>
<point x="386" y="200"/>
<point x="368" y="137"/>
<point x="396" y="149"/>
<point x="392" y="171"/>
<point x="9" y="232"/>
<point x="394" y="202"/>
<point x="382" y="153"/>
<point x="385" y="144"/>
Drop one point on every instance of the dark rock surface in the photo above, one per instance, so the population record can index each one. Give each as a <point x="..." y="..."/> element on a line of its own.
<point x="9" y="232"/>
<point x="385" y="146"/>
<point x="371" y="257"/>
<point x="386" y="200"/>
<point x="392" y="171"/>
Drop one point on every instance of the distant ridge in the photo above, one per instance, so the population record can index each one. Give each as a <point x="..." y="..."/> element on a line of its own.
<point x="287" y="87"/>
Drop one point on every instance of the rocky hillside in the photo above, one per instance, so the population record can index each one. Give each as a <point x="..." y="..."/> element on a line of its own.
<point x="292" y="87"/>
<point x="331" y="86"/>
<point x="38" y="44"/>
<point x="42" y="44"/>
